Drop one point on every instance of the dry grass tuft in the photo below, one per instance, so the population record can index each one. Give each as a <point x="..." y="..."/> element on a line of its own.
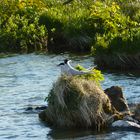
<point x="76" y="102"/>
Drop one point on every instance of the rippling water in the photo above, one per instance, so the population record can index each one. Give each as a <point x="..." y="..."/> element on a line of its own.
<point x="25" y="80"/>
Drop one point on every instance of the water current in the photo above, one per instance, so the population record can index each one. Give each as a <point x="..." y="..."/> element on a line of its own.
<point x="25" y="81"/>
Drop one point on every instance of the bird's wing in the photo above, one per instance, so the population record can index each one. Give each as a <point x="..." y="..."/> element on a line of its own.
<point x="73" y="71"/>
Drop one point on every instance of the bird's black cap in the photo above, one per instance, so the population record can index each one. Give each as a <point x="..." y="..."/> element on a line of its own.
<point x="65" y="61"/>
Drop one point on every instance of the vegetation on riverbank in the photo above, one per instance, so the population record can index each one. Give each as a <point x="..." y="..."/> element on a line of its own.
<point x="99" y="27"/>
<point x="106" y="27"/>
<point x="20" y="31"/>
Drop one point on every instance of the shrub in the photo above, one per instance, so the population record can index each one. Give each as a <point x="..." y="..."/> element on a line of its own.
<point x="71" y="24"/>
<point x="130" y="8"/>
<point x="116" y="30"/>
<point x="20" y="30"/>
<point x="19" y="35"/>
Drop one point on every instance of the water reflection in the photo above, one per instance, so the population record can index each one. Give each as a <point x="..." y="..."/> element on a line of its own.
<point x="69" y="133"/>
<point x="81" y="134"/>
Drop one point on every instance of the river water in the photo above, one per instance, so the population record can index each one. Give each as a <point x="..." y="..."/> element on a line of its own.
<point x="25" y="80"/>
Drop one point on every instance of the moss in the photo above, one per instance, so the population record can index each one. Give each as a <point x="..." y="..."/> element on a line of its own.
<point x="94" y="74"/>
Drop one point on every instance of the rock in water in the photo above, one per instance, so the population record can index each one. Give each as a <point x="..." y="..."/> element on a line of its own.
<point x="126" y="125"/>
<point x="137" y="113"/>
<point x="77" y="102"/>
<point x="115" y="94"/>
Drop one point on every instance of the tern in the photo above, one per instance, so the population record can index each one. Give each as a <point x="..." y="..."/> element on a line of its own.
<point x="67" y="69"/>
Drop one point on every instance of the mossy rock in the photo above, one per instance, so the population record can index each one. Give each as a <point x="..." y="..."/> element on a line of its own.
<point x="78" y="102"/>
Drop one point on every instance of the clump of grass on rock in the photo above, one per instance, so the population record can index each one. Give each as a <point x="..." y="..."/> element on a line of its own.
<point x="78" y="102"/>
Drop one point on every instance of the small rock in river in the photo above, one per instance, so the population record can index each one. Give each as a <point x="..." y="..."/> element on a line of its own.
<point x="130" y="118"/>
<point x="115" y="94"/>
<point x="137" y="113"/>
<point x="31" y="108"/>
<point x="126" y="125"/>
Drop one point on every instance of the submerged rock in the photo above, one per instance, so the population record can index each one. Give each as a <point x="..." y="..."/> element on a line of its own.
<point x="35" y="108"/>
<point x="115" y="94"/>
<point x="137" y="113"/>
<point x="126" y="125"/>
<point x="130" y="118"/>
<point x="135" y="110"/>
<point x="76" y="102"/>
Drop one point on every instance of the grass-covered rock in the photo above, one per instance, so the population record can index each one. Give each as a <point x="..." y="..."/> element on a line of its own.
<point x="78" y="102"/>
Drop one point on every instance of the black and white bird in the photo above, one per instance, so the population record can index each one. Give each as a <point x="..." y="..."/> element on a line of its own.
<point x="67" y="69"/>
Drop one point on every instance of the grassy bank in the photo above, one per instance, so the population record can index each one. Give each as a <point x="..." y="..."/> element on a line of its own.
<point x="108" y="27"/>
<point x="118" y="61"/>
